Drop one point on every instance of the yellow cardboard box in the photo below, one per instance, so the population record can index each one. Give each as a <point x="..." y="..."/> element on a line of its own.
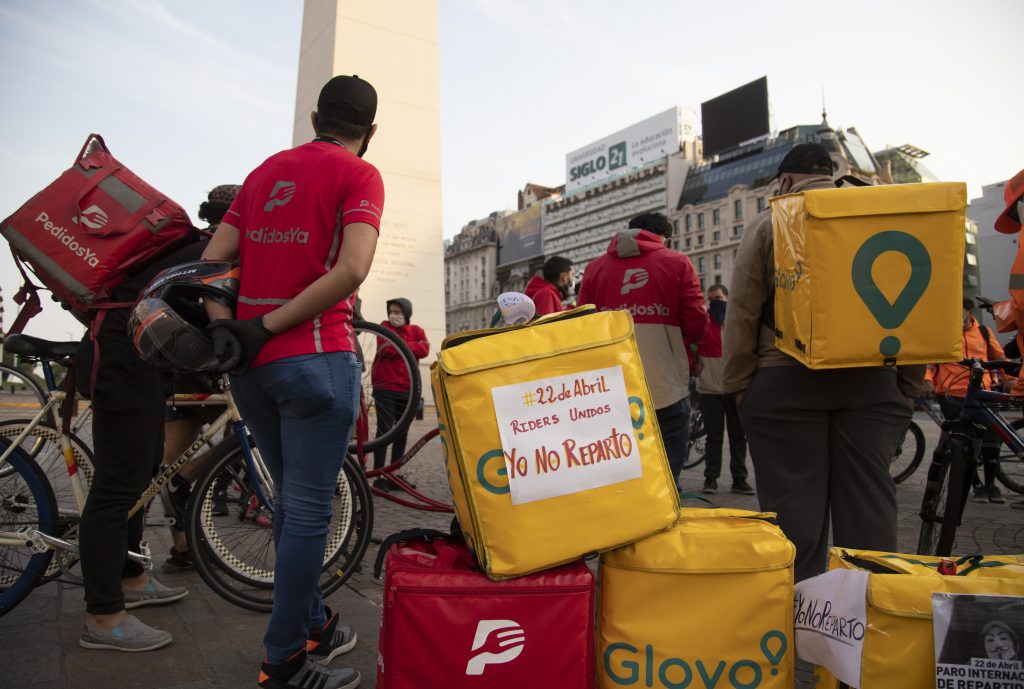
<point x="550" y="440"/>
<point x="708" y="603"/>
<point x="867" y="276"/>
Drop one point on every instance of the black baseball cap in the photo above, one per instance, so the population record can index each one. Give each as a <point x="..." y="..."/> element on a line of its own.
<point x="807" y="159"/>
<point x="348" y="98"/>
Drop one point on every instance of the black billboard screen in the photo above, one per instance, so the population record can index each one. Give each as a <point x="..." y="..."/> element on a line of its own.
<point x="735" y="117"/>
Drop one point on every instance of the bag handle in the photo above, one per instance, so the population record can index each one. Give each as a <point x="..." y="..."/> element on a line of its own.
<point x="422" y="535"/>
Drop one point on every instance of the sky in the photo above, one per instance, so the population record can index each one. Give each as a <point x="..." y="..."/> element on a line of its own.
<point x="192" y="94"/>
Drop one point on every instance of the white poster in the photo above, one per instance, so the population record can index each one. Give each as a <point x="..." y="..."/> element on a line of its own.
<point x="566" y="434"/>
<point x="830" y="618"/>
<point x="978" y="641"/>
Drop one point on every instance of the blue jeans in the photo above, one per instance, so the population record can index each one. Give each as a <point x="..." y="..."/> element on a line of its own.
<point x="674" y="422"/>
<point x="301" y="411"/>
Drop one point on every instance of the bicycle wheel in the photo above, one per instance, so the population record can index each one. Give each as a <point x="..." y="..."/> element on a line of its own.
<point x="697" y="447"/>
<point x="933" y="502"/>
<point x="909" y="454"/>
<point x="370" y="339"/>
<point x="21" y="391"/>
<point x="231" y="536"/>
<point x="1010" y="471"/>
<point x="26" y="500"/>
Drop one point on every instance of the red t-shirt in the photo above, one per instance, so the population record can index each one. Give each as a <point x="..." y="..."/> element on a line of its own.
<point x="291" y="214"/>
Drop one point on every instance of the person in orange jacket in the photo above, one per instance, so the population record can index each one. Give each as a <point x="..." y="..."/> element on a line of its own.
<point x="948" y="382"/>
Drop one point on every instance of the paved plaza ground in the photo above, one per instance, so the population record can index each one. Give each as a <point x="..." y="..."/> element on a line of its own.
<point x="217" y="645"/>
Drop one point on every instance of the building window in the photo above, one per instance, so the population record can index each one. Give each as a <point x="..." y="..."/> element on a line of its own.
<point x="718" y="263"/>
<point x="716" y="236"/>
<point x="718" y="279"/>
<point x="700" y="221"/>
<point x="700" y="265"/>
<point x="972" y="260"/>
<point x="971" y="239"/>
<point x="762" y="203"/>
<point x="675" y="227"/>
<point x="700" y="240"/>
<point x="737" y="209"/>
<point x="716" y="217"/>
<point x="737" y="230"/>
<point x="687" y="242"/>
<point x="689" y="222"/>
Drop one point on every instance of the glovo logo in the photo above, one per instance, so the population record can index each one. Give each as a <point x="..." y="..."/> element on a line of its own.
<point x="491" y="469"/>
<point x="626" y="665"/>
<point x="890" y="315"/>
<point x="496" y="642"/>
<point x="281" y="194"/>
<point x="93" y="217"/>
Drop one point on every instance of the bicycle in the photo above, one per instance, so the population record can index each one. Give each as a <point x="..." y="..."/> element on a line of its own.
<point x="697" y="447"/>
<point x="955" y="458"/>
<point x="235" y="559"/>
<point x="910" y="449"/>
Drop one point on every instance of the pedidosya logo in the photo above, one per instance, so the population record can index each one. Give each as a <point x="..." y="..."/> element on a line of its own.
<point x="93" y="217"/>
<point x="496" y="642"/>
<point x="634" y="278"/>
<point x="62" y="235"/>
<point x="281" y="194"/>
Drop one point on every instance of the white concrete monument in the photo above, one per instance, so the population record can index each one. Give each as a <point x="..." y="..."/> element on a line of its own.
<point x="393" y="45"/>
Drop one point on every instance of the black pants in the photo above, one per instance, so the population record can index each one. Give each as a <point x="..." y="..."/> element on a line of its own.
<point x="719" y="412"/>
<point x="390" y="406"/>
<point x="128" y="406"/>
<point x="821" y="442"/>
<point x="990" y="443"/>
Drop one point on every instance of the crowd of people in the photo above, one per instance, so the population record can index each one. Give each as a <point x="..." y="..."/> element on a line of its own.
<point x="820" y="441"/>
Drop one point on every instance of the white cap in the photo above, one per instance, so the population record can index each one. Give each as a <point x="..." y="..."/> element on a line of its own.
<point x="516" y="308"/>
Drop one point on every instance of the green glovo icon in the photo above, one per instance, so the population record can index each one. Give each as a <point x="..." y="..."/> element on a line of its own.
<point x="891" y="315"/>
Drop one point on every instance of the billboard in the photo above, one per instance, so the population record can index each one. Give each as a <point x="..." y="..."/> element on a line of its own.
<point x="519" y="235"/>
<point x="735" y="117"/>
<point x="632" y="147"/>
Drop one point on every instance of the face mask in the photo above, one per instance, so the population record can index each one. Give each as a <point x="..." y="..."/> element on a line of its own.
<point x="396" y="320"/>
<point x="716" y="309"/>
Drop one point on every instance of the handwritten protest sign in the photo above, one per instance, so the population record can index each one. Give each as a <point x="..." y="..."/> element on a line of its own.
<point x="566" y="434"/>
<point x="830" y="619"/>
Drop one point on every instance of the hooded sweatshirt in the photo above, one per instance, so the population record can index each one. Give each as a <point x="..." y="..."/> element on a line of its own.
<point x="546" y="296"/>
<point x="659" y="287"/>
<point x="388" y="371"/>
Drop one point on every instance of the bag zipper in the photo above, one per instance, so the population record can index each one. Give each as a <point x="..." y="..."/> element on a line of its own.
<point x="393" y="591"/>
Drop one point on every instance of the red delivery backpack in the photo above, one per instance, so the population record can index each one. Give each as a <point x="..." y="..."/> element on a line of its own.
<point x="447" y="625"/>
<point x="88" y="230"/>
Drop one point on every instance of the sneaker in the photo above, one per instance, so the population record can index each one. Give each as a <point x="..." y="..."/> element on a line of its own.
<point x="131" y="635"/>
<point x="154" y="593"/>
<point x="994" y="494"/>
<point x="331" y="641"/>
<point x="979" y="494"/>
<point x="220" y="503"/>
<point x="178" y="562"/>
<point x="299" y="672"/>
<point x="743" y="488"/>
<point x="710" y="486"/>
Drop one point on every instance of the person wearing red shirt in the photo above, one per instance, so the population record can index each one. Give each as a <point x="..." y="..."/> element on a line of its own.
<point x="552" y="286"/>
<point x="304" y="229"/>
<point x="390" y="379"/>
<point x="659" y="287"/>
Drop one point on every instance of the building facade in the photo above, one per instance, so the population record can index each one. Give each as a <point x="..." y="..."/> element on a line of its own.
<point x="471" y="285"/>
<point x="995" y="251"/>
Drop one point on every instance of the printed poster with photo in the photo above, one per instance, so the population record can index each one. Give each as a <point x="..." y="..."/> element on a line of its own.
<point x="566" y="434"/>
<point x="978" y="641"/>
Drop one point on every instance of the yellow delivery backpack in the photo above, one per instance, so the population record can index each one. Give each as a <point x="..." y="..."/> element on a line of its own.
<point x="899" y="642"/>
<point x="708" y="603"/>
<point x="550" y="440"/>
<point x="866" y="276"/>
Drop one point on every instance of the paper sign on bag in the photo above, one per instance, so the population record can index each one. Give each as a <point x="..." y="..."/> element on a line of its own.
<point x="830" y="619"/>
<point x="566" y="434"/>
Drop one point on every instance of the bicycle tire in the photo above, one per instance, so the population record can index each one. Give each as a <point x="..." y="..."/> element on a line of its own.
<point x="696" y="449"/>
<point x="957" y="491"/>
<point x="233" y="553"/>
<point x="933" y="500"/>
<point x="48" y="457"/>
<point x="20" y="568"/>
<point x="29" y="383"/>
<point x="900" y="468"/>
<point x="1010" y="471"/>
<point x="366" y="336"/>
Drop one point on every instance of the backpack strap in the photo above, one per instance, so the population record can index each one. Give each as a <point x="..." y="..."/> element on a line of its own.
<point x="27" y="296"/>
<point x="988" y="340"/>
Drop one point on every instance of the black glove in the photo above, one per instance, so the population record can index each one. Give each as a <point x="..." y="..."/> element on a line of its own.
<point x="236" y="343"/>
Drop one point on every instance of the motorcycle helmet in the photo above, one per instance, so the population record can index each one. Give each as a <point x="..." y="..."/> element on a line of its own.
<point x="168" y="324"/>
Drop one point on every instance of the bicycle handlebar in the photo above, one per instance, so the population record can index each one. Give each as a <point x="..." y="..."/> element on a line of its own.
<point x="1005" y="365"/>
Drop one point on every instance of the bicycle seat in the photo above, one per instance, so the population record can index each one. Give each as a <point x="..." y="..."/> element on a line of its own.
<point x="26" y="345"/>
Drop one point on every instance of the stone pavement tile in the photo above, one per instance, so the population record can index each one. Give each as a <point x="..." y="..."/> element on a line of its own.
<point x="17" y="637"/>
<point x="48" y="684"/>
<point x="27" y="665"/>
<point x="40" y="607"/>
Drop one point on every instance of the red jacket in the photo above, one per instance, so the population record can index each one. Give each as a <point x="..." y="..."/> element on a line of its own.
<point x="660" y="288"/>
<point x="546" y="296"/>
<point x="388" y="372"/>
